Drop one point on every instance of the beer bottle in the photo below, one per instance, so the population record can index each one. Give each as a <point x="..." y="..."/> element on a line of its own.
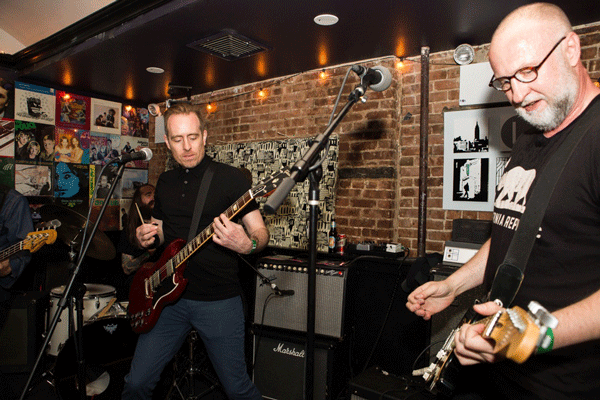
<point x="332" y="237"/>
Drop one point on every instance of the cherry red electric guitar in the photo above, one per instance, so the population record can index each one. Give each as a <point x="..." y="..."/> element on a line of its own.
<point x="157" y="284"/>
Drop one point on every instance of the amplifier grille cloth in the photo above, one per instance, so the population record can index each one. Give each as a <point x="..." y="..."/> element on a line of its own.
<point x="290" y="312"/>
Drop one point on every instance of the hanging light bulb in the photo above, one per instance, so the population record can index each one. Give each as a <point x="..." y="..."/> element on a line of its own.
<point x="323" y="75"/>
<point x="262" y="93"/>
<point x="400" y="63"/>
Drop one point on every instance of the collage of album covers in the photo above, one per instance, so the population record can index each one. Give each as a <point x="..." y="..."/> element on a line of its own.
<point x="477" y="145"/>
<point x="53" y="145"/>
<point x="289" y="226"/>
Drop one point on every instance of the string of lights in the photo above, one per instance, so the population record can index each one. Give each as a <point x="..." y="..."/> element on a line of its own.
<point x="262" y="93"/>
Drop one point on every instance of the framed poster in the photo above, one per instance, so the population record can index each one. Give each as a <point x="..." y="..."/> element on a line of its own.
<point x="72" y="111"/>
<point x="477" y="145"/>
<point x="105" y="117"/>
<point x="7" y="138"/>
<point x="34" y="103"/>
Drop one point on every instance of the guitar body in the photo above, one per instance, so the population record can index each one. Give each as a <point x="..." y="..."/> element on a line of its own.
<point x="145" y="304"/>
<point x="156" y="285"/>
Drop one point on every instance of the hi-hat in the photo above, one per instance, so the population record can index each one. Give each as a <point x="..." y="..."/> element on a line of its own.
<point x="71" y="230"/>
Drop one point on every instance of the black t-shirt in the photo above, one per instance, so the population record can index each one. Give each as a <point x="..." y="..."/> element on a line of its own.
<point x="213" y="270"/>
<point x="564" y="266"/>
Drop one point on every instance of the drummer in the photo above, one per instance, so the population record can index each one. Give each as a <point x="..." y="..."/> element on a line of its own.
<point x="132" y="257"/>
<point x="15" y="224"/>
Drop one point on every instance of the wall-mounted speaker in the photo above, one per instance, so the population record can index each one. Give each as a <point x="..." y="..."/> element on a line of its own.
<point x="289" y="312"/>
<point x="21" y="336"/>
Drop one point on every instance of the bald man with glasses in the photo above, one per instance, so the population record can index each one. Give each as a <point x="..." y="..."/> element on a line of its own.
<point x="535" y="57"/>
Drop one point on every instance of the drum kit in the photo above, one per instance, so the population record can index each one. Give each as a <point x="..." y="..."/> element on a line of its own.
<point x="108" y="341"/>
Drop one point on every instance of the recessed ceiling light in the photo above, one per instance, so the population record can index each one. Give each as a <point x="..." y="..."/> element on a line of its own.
<point x="155" y="70"/>
<point x="326" y="19"/>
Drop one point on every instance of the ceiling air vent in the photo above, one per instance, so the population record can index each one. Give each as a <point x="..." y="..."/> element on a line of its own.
<point x="228" y="45"/>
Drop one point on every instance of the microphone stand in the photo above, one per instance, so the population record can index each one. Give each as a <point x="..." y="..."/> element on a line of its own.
<point x="79" y="289"/>
<point x="299" y="172"/>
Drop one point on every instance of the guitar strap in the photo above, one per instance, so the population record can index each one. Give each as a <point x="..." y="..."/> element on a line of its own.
<point x="201" y="199"/>
<point x="510" y="273"/>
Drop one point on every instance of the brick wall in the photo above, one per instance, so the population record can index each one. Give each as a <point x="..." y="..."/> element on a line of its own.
<point x="378" y="182"/>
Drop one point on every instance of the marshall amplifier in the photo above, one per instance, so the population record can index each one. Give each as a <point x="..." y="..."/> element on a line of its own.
<point x="289" y="312"/>
<point x="279" y="365"/>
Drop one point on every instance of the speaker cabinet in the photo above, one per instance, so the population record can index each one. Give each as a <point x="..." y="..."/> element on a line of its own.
<point x="21" y="336"/>
<point x="444" y="322"/>
<point x="279" y="366"/>
<point x="383" y="331"/>
<point x="289" y="312"/>
<point x="471" y="230"/>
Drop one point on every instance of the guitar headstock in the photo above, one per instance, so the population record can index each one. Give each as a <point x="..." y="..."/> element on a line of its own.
<point x="516" y="333"/>
<point x="35" y="240"/>
<point x="266" y="186"/>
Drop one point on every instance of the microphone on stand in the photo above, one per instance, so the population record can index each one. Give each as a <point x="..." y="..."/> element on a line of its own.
<point x="144" y="154"/>
<point x="279" y="292"/>
<point x="283" y="293"/>
<point x="378" y="78"/>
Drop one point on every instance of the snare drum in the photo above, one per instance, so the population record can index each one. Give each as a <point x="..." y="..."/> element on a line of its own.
<point x="108" y="347"/>
<point x="95" y="299"/>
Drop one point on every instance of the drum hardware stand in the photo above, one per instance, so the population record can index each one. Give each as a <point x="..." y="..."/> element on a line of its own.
<point x="76" y="289"/>
<point x="191" y="370"/>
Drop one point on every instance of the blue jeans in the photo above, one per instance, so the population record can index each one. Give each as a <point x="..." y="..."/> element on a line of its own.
<point x="220" y="324"/>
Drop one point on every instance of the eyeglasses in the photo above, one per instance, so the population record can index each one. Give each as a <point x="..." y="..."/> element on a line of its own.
<point x="525" y="75"/>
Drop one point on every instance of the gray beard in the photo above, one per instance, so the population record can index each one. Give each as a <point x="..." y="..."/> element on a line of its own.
<point x="550" y="118"/>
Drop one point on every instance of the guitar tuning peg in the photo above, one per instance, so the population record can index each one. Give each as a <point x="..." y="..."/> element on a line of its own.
<point x="542" y="315"/>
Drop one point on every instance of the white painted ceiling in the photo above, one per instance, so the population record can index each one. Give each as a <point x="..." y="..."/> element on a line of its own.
<point x="25" y="22"/>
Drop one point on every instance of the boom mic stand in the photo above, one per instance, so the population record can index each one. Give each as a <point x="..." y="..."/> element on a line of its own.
<point x="74" y="286"/>
<point x="299" y="172"/>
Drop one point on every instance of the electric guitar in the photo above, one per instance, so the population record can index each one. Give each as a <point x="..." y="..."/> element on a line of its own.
<point x="33" y="242"/>
<point x="157" y="284"/>
<point x="515" y="332"/>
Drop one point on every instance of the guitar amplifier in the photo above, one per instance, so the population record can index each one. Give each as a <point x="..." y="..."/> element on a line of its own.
<point x="289" y="312"/>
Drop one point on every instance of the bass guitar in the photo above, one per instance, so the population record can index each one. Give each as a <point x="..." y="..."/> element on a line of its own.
<point x="157" y="284"/>
<point x="516" y="334"/>
<point x="33" y="242"/>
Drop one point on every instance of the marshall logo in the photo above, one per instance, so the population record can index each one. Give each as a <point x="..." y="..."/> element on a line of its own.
<point x="288" y="351"/>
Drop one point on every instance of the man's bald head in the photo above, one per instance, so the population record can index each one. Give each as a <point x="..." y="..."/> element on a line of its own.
<point x="541" y="17"/>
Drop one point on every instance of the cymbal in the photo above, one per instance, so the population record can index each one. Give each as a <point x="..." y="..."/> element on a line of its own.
<point x="71" y="230"/>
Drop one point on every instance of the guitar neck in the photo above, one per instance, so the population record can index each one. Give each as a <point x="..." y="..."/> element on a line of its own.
<point x="11" y="250"/>
<point x="197" y="242"/>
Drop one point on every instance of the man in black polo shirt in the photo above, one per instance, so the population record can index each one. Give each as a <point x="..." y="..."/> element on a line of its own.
<point x="211" y="302"/>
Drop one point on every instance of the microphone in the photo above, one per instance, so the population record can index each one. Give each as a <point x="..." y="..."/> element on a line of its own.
<point x="278" y="292"/>
<point x="283" y="293"/>
<point x="144" y="154"/>
<point x="377" y="78"/>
